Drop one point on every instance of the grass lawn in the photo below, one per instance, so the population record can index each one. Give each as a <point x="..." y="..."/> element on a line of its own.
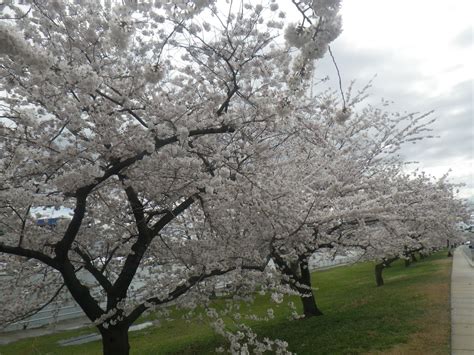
<point x="409" y="315"/>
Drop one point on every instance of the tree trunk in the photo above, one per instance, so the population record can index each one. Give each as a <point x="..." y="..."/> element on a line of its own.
<point x="310" y="309"/>
<point x="300" y="281"/>
<point x="413" y="257"/>
<point x="378" y="273"/>
<point x="115" y="340"/>
<point x="407" y="262"/>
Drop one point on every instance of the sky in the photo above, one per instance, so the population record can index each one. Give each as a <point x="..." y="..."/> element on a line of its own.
<point x="422" y="54"/>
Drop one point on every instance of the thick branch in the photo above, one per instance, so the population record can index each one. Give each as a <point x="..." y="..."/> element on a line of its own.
<point x="139" y="248"/>
<point x="79" y="292"/>
<point x="117" y="167"/>
<point x="103" y="281"/>
<point x="196" y="132"/>
<point x="225" y="104"/>
<point x="30" y="254"/>
<point x="137" y="210"/>
<point x="386" y="262"/>
<point x="352" y="223"/>
<point x="178" y="291"/>
<point x="64" y="245"/>
<point x="283" y="265"/>
<point x="170" y="215"/>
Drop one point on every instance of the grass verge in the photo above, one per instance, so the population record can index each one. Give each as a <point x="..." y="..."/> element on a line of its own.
<point x="409" y="315"/>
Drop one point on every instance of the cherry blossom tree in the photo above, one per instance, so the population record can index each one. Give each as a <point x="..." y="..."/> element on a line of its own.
<point x="427" y="216"/>
<point x="345" y="172"/>
<point x="326" y="181"/>
<point x="182" y="137"/>
<point x="133" y="116"/>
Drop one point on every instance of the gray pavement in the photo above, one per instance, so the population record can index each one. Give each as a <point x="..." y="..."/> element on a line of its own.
<point x="462" y="302"/>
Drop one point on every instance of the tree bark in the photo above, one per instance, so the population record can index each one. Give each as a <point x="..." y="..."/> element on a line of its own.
<point x="115" y="340"/>
<point x="300" y="281"/>
<point x="413" y="257"/>
<point x="378" y="273"/>
<point x="380" y="267"/>
<point x="310" y="308"/>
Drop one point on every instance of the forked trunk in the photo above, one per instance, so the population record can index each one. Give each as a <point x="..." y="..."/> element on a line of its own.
<point x="115" y="341"/>
<point x="378" y="273"/>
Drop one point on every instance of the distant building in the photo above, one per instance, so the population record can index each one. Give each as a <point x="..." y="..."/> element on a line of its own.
<point x="51" y="222"/>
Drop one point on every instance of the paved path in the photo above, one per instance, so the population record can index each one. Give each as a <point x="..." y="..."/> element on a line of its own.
<point x="9" y="337"/>
<point x="462" y="303"/>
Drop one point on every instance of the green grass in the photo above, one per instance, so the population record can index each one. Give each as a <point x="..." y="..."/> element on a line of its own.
<point x="358" y="318"/>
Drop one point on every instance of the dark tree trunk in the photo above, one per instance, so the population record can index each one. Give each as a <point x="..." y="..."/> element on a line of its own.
<point x="115" y="341"/>
<point x="378" y="273"/>
<point x="300" y="281"/>
<point x="413" y="257"/>
<point x="406" y="256"/>
<point x="310" y="309"/>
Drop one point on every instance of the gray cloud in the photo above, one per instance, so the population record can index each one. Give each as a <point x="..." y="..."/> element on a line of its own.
<point x="465" y="38"/>
<point x="454" y="125"/>
<point x="399" y="79"/>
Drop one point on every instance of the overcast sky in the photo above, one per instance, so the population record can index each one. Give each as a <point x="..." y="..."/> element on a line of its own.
<point x="421" y="52"/>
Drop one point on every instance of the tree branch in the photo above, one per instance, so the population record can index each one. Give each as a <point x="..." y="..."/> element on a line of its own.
<point x="137" y="210"/>
<point x="170" y="215"/>
<point x="103" y="281"/>
<point x="30" y="254"/>
<point x="140" y="247"/>
<point x="128" y="110"/>
<point x="38" y="309"/>
<point x="196" y="132"/>
<point x="178" y="291"/>
<point x="64" y="245"/>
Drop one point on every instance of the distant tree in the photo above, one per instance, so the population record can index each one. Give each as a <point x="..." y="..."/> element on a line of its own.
<point x="428" y="215"/>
